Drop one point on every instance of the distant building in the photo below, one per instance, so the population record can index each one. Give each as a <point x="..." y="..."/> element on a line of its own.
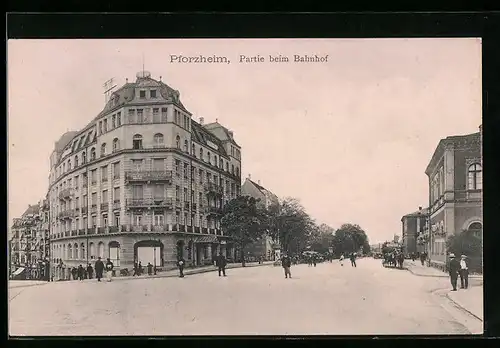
<point x="455" y="192"/>
<point x="413" y="226"/>
<point x="29" y="243"/>
<point x="266" y="246"/>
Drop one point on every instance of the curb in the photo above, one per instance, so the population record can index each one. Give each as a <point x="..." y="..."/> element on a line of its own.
<point x="176" y="275"/>
<point x="444" y="292"/>
<point x="437" y="276"/>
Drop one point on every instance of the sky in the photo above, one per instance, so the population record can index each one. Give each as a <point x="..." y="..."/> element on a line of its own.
<point x="350" y="137"/>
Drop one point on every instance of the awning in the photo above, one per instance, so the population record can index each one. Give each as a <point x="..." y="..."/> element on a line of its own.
<point x="206" y="239"/>
<point x="18" y="271"/>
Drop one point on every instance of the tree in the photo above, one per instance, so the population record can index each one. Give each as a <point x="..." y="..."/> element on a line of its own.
<point x="466" y="243"/>
<point x="243" y="221"/>
<point x="350" y="238"/>
<point x="288" y="223"/>
<point x="322" y="238"/>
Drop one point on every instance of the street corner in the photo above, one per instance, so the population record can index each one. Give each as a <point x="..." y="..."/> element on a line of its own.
<point x="470" y="300"/>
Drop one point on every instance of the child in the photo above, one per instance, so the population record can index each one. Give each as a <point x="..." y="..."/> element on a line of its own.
<point x="341" y="260"/>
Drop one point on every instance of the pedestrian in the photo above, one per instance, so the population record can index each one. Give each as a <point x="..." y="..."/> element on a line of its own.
<point x="90" y="271"/>
<point x="180" y="264"/>
<point x="150" y="268"/>
<point x="341" y="260"/>
<point x="286" y="263"/>
<point x="453" y="269"/>
<point x="140" y="269"/>
<point x="80" y="273"/>
<point x="99" y="268"/>
<point x="422" y="258"/>
<point x="464" y="273"/>
<point x="314" y="260"/>
<point x="221" y="263"/>
<point x="353" y="259"/>
<point x="109" y="270"/>
<point x="74" y="273"/>
<point x="136" y="268"/>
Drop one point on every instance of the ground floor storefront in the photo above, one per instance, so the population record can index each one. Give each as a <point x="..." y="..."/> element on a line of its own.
<point x="161" y="251"/>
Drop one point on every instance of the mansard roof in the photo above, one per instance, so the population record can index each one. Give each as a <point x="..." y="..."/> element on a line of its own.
<point x="226" y="134"/>
<point x="32" y="210"/>
<point x="202" y="136"/>
<point x="262" y="188"/>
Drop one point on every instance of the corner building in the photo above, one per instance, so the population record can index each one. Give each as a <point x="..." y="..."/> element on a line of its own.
<point x="142" y="182"/>
<point x="455" y="192"/>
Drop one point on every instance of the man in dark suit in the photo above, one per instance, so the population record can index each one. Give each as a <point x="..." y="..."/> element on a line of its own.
<point x="221" y="263"/>
<point x="286" y="263"/>
<point x="99" y="267"/>
<point x="453" y="270"/>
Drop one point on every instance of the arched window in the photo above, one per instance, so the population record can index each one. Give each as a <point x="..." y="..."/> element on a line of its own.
<point x="64" y="255"/>
<point x="76" y="161"/>
<point x="64" y="168"/>
<point x="475" y="177"/>
<point x="103" y="149"/>
<point x="215" y="161"/>
<point x="227" y="166"/>
<point x="70" y="252"/>
<point x="232" y="169"/>
<point x="69" y="164"/>
<point x="178" y="142"/>
<point x="92" y="154"/>
<point x="158" y="140"/>
<point x="208" y="157"/>
<point x="84" y="157"/>
<point x="221" y="163"/>
<point x="82" y="252"/>
<point x="137" y="142"/>
<point x="116" y="144"/>
<point x="237" y="171"/>
<point x="476" y="228"/>
<point x="92" y="253"/>
<point x="75" y="252"/>
<point x="201" y="153"/>
<point x="186" y="146"/>
<point x="193" y="149"/>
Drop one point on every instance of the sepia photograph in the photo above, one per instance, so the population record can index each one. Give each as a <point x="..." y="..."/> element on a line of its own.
<point x="228" y="187"/>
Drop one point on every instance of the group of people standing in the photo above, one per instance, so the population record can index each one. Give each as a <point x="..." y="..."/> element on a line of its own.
<point x="220" y="263"/>
<point x="80" y="273"/>
<point x="459" y="268"/>
<point x="352" y="258"/>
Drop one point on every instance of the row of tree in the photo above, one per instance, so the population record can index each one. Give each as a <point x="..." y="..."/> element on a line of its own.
<point x="289" y="226"/>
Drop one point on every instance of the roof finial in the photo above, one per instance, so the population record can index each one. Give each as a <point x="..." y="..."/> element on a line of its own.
<point x="126" y="80"/>
<point x="216" y="120"/>
<point x="160" y="78"/>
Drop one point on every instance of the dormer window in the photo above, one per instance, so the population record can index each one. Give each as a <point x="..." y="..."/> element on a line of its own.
<point x="142" y="94"/>
<point x="152" y="93"/>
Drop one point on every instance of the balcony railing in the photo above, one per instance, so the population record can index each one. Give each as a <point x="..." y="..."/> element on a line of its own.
<point x="148" y="175"/>
<point x="70" y="213"/>
<point x="133" y="203"/>
<point x="94" y="208"/>
<point x="85" y="210"/>
<point x="186" y="205"/>
<point x="65" y="193"/>
<point x="116" y="205"/>
<point x="194" y="206"/>
<point x="104" y="206"/>
<point x="468" y="195"/>
<point x="204" y="230"/>
<point x="214" y="210"/>
<point x="214" y="188"/>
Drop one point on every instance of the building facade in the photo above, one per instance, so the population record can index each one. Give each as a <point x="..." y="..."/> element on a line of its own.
<point x="413" y="226"/>
<point x="29" y="243"/>
<point x="455" y="192"/>
<point x="143" y="181"/>
<point x="265" y="247"/>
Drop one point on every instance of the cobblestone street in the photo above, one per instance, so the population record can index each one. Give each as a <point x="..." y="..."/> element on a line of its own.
<point x="327" y="299"/>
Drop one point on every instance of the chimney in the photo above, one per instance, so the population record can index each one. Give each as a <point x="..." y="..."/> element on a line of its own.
<point x="250" y="176"/>
<point x="230" y="134"/>
<point x="419" y="208"/>
<point x="202" y="120"/>
<point x="259" y="182"/>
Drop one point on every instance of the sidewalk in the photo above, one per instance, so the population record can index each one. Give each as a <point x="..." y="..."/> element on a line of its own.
<point x="165" y="274"/>
<point x="416" y="268"/>
<point x="470" y="299"/>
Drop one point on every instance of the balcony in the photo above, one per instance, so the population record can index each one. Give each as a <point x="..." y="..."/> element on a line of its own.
<point x="468" y="195"/>
<point x="65" y="193"/>
<point x="204" y="230"/>
<point x="196" y="230"/>
<point x="178" y="204"/>
<point x="194" y="206"/>
<point x="116" y="205"/>
<point x="85" y="210"/>
<point x="214" y="210"/>
<point x="149" y="175"/>
<point x="104" y="207"/>
<point x="67" y="214"/>
<point x="189" y="229"/>
<point x="81" y="232"/>
<point x="93" y="209"/>
<point x="186" y="205"/>
<point x="113" y="229"/>
<point x="148" y="203"/>
<point x="159" y="228"/>
<point x="214" y="189"/>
